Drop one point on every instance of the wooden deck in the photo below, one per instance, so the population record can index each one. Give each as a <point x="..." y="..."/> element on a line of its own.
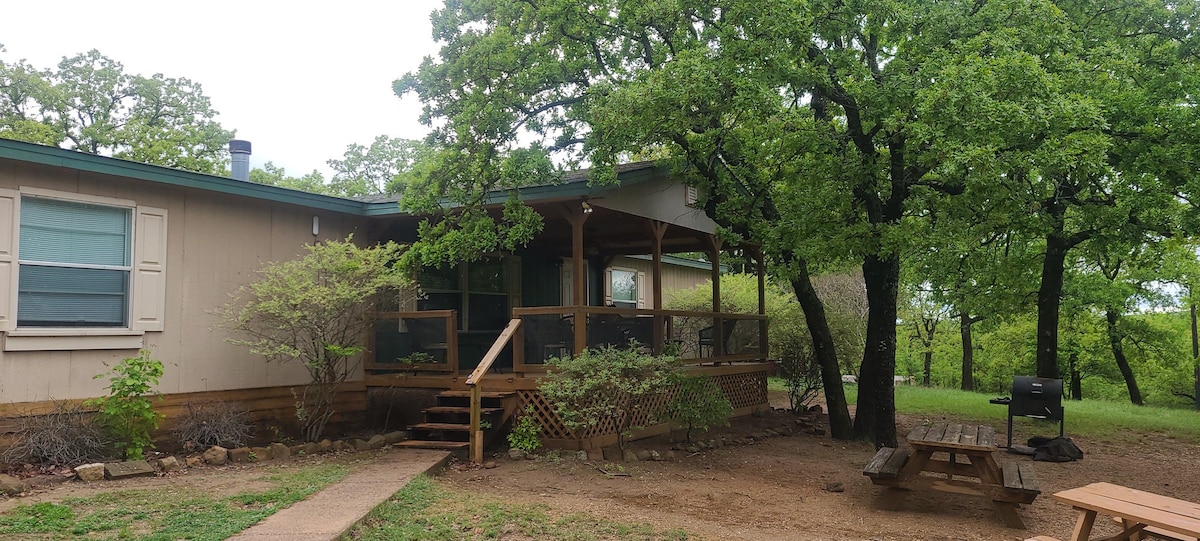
<point x="744" y="384"/>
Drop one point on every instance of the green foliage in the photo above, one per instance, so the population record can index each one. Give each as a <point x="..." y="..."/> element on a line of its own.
<point x="1100" y="420"/>
<point x="90" y="104"/>
<point x="799" y="370"/>
<point x="127" y="413"/>
<point x="607" y="383"/>
<point x="788" y="334"/>
<point x="185" y="514"/>
<point x="1160" y="355"/>
<point x="426" y="509"/>
<point x="525" y="432"/>
<point x="698" y="404"/>
<point x="316" y="310"/>
<point x="381" y="168"/>
<point x="276" y="176"/>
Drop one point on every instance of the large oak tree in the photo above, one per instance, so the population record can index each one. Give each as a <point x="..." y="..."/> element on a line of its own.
<point x="820" y="130"/>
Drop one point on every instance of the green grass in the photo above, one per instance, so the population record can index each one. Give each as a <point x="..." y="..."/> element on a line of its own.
<point x="165" y="514"/>
<point x="1100" y="420"/>
<point x="426" y="510"/>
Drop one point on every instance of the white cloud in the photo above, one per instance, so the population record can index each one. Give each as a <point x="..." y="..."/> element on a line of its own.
<point x="299" y="80"/>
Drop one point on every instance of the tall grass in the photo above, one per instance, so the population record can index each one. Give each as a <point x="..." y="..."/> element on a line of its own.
<point x="1094" y="419"/>
<point x="1098" y="420"/>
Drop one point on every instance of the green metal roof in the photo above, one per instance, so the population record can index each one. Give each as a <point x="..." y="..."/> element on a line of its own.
<point x="57" y="157"/>
<point x="575" y="184"/>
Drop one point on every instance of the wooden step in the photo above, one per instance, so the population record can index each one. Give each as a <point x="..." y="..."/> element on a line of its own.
<point x="450" y="427"/>
<point x="442" y="445"/>
<point x="460" y="409"/>
<point x="484" y="394"/>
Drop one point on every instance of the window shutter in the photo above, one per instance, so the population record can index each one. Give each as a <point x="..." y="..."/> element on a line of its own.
<point x="641" y="289"/>
<point x="149" y="269"/>
<point x="9" y="228"/>
<point x="608" y="287"/>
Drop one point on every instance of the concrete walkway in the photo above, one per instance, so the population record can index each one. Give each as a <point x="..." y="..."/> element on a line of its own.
<point x="328" y="514"/>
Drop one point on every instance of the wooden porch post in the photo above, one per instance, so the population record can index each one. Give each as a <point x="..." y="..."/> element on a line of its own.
<point x="658" y="230"/>
<point x="579" y="277"/>
<point x="718" y="330"/>
<point x="762" y="302"/>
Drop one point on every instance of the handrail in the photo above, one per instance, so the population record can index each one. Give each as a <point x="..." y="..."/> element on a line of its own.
<point x="492" y="354"/>
<point x="474" y="380"/>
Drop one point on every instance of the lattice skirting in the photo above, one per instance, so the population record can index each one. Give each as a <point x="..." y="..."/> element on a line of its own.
<point x="745" y="392"/>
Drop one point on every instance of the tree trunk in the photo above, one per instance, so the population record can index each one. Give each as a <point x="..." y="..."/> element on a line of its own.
<point x="1049" y="298"/>
<point x="1076" y="385"/>
<point x="876" y="414"/>
<point x="968" y="353"/>
<point x="1196" y="355"/>
<point x="1118" y="351"/>
<point x="831" y="374"/>
<point x="927" y="380"/>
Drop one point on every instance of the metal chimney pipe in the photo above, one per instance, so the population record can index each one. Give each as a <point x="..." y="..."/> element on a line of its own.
<point x="240" y="151"/>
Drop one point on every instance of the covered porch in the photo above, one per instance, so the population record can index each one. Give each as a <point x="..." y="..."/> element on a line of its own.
<point x="597" y="275"/>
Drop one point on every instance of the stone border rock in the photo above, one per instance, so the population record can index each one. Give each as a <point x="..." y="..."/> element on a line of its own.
<point x="213" y="456"/>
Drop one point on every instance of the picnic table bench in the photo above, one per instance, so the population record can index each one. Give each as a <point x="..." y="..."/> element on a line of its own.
<point x="1138" y="513"/>
<point x="1007" y="485"/>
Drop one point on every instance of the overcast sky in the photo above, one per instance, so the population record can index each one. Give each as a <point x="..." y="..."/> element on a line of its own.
<point x="300" y="81"/>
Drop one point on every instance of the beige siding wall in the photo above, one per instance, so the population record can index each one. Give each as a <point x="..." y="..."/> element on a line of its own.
<point x="215" y="243"/>
<point x="675" y="277"/>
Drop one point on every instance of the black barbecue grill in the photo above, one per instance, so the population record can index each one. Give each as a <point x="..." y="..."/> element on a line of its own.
<point x="1037" y="398"/>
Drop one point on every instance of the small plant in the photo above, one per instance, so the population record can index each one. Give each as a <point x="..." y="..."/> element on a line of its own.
<point x="127" y="412"/>
<point x="699" y="404"/>
<point x="607" y="383"/>
<point x="801" y="374"/>
<point x="66" y="437"/>
<point x="416" y="358"/>
<point x="205" y="424"/>
<point x="526" y="432"/>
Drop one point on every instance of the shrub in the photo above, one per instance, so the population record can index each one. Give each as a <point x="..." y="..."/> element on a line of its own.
<point x="800" y="372"/>
<point x="127" y="413"/>
<point x="66" y="437"/>
<point x="525" y="432"/>
<point x="699" y="404"/>
<point x="316" y="310"/>
<point x="205" y="424"/>
<point x="607" y="384"/>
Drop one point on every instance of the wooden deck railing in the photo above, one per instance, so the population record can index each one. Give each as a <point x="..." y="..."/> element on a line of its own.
<point x="693" y="337"/>
<point x="425" y="341"/>
<point x="475" y="383"/>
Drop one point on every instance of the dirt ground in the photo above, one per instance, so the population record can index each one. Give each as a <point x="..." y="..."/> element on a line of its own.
<point x="774" y="488"/>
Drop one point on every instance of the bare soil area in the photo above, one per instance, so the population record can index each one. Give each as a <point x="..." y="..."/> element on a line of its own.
<point x="776" y="488"/>
<point x="773" y="488"/>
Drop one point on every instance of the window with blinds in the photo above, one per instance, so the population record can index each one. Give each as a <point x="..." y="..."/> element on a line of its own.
<point x="74" y="264"/>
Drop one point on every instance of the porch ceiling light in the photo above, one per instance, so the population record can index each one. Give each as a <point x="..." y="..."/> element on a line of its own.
<point x="587" y="209"/>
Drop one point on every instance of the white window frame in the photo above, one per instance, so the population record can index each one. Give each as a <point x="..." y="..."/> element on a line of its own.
<point x="145" y="305"/>
<point x="639" y="288"/>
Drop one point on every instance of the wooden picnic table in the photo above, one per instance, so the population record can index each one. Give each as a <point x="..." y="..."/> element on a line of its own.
<point x="978" y="474"/>
<point x="1140" y="512"/>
